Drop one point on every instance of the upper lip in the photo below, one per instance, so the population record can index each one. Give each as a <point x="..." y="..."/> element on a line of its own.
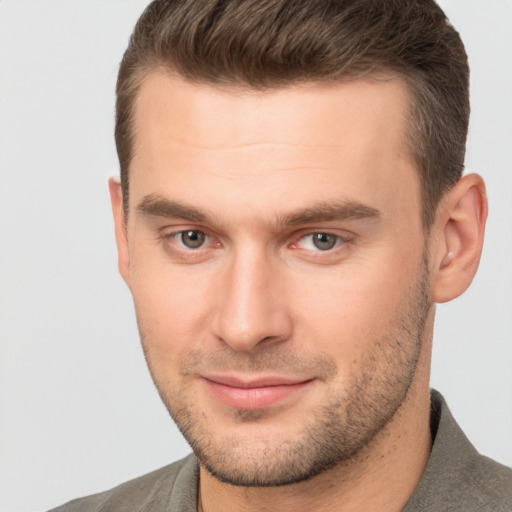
<point x="256" y="382"/>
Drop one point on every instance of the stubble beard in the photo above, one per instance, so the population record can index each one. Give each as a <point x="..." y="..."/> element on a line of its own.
<point x="333" y="434"/>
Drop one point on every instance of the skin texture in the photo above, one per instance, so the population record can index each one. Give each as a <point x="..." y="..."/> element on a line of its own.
<point x="288" y="364"/>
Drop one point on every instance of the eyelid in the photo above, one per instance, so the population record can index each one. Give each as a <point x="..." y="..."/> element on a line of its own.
<point x="169" y="234"/>
<point x="342" y="238"/>
<point x="168" y="238"/>
<point x="168" y="231"/>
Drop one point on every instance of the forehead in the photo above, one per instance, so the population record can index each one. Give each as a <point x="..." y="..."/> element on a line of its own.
<point x="349" y="137"/>
<point x="206" y="106"/>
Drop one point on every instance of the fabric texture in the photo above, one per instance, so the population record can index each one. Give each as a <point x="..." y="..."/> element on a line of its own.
<point x="457" y="479"/>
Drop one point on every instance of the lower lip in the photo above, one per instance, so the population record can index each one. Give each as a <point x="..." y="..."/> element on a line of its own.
<point x="254" y="398"/>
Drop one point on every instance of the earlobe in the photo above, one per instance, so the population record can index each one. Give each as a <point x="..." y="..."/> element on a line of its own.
<point x="458" y="234"/>
<point x="116" y="198"/>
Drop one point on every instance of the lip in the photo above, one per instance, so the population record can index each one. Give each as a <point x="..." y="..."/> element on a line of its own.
<point x="259" y="393"/>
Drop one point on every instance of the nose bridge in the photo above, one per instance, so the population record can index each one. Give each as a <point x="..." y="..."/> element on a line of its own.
<point x="250" y="308"/>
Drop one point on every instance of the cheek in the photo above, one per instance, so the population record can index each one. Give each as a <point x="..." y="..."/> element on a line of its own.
<point x="171" y="306"/>
<point x="349" y="310"/>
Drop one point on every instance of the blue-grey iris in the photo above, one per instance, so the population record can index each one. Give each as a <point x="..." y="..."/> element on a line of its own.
<point x="192" y="239"/>
<point x="324" y="241"/>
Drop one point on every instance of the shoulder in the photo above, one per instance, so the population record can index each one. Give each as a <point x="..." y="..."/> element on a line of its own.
<point x="154" y="491"/>
<point x="457" y="477"/>
<point x="487" y="483"/>
<point x="467" y="482"/>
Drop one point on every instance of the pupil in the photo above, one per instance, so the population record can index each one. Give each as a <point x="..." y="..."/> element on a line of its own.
<point x="324" y="241"/>
<point x="192" y="239"/>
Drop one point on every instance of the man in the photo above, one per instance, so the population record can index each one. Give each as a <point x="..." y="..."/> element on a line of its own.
<point x="291" y="209"/>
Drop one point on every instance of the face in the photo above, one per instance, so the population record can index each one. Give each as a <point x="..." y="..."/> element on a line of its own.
<point x="275" y="255"/>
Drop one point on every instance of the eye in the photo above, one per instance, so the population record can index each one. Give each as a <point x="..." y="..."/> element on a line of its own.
<point x="320" y="241"/>
<point x="192" y="239"/>
<point x="189" y="245"/>
<point x="324" y="241"/>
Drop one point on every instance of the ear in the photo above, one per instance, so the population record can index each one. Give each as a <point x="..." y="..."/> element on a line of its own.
<point x="123" y="257"/>
<point x="457" y="237"/>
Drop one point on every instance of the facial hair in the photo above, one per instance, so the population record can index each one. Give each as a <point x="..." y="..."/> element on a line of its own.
<point x="332" y="433"/>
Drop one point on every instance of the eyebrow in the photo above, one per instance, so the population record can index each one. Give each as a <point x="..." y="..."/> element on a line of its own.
<point x="158" y="206"/>
<point x="328" y="211"/>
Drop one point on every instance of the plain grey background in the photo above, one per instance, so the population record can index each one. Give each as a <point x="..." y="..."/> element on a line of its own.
<point x="79" y="413"/>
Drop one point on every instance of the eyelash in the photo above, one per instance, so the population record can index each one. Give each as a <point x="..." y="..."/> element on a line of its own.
<point x="173" y="238"/>
<point x="174" y="243"/>
<point x="338" y="241"/>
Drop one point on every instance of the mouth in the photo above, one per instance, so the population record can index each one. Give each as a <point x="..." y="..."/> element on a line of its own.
<point x="260" y="393"/>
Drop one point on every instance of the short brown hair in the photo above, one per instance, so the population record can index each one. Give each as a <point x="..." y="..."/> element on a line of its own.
<point x="274" y="43"/>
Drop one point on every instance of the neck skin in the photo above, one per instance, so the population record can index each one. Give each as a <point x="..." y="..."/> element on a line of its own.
<point x="382" y="476"/>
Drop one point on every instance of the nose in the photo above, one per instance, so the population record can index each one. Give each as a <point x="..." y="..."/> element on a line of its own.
<point x="251" y="305"/>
